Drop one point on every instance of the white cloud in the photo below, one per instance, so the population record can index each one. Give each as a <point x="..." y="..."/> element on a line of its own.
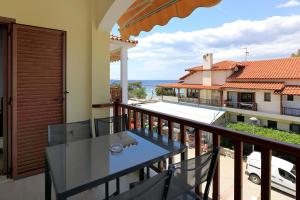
<point x="289" y="4"/>
<point x="166" y="55"/>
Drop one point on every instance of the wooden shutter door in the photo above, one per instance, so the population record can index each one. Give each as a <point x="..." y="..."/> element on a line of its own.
<point x="38" y="94"/>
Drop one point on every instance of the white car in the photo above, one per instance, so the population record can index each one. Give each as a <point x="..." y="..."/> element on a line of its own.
<point x="283" y="173"/>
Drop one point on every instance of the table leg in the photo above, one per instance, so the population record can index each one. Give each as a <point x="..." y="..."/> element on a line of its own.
<point x="47" y="182"/>
<point x="106" y="190"/>
<point x="118" y="186"/>
<point x="141" y="174"/>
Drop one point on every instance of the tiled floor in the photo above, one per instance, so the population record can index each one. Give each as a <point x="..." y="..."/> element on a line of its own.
<point x="32" y="188"/>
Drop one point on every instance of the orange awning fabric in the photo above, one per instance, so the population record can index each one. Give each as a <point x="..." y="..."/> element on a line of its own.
<point x="143" y="15"/>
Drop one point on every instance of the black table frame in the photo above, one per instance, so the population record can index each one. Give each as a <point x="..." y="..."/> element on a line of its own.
<point x="140" y="167"/>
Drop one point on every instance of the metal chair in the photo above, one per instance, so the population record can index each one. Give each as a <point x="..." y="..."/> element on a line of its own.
<point x="155" y="188"/>
<point x="110" y="125"/>
<point x="190" y="173"/>
<point x="107" y="126"/>
<point x="69" y="132"/>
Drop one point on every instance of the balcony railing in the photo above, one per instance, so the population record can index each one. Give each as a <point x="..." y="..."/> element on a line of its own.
<point x="291" y="111"/>
<point x="138" y="117"/>
<point x="209" y="102"/>
<point x="242" y="105"/>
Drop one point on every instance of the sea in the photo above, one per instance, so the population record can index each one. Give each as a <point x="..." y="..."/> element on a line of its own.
<point x="149" y="85"/>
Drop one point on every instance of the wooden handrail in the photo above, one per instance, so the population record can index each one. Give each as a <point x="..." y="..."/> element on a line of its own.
<point x="103" y="105"/>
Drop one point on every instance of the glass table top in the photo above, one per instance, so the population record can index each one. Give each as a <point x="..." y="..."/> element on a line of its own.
<point x="91" y="160"/>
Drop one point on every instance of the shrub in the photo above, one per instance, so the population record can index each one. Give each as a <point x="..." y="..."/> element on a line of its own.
<point x="283" y="136"/>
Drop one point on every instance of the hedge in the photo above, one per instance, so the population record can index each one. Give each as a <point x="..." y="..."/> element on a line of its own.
<point x="283" y="136"/>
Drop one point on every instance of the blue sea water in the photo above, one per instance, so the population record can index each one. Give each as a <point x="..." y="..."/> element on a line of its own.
<point x="149" y="85"/>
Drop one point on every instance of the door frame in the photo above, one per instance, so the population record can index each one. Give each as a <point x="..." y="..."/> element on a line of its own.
<point x="7" y="109"/>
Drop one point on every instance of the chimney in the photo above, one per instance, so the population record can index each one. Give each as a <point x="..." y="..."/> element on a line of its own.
<point x="207" y="61"/>
<point x="207" y="65"/>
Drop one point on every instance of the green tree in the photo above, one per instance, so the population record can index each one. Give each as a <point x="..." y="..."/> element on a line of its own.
<point x="164" y="91"/>
<point x="296" y="54"/>
<point x="135" y="89"/>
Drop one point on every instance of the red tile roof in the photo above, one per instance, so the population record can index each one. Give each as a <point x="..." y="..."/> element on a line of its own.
<point x="190" y="86"/>
<point x="284" y="68"/>
<point x="223" y="65"/>
<point x="254" y="85"/>
<point x="290" y="90"/>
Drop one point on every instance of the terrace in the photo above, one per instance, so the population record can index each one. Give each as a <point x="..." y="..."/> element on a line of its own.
<point x="71" y="100"/>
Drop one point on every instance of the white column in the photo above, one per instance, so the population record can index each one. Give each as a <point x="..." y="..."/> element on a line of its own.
<point x="124" y="74"/>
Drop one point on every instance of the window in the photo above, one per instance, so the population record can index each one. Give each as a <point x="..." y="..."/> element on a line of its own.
<point x="247" y="97"/>
<point x="295" y="128"/>
<point x="286" y="175"/>
<point x="240" y="118"/>
<point x="267" y="96"/>
<point x="290" y="97"/>
<point x="272" y="124"/>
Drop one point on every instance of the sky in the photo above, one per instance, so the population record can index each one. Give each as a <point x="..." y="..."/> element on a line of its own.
<point x="268" y="28"/>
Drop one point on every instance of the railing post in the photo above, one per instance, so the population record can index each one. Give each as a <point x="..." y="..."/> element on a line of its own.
<point x="150" y="123"/>
<point x="116" y="108"/>
<point x="129" y="118"/>
<point x="198" y="151"/>
<point x="182" y="140"/>
<point x="266" y="173"/>
<point x="216" y="180"/>
<point x="238" y="170"/>
<point x="142" y="120"/>
<point x="135" y="119"/>
<point x="159" y="124"/>
<point x="170" y="136"/>
<point x="298" y="179"/>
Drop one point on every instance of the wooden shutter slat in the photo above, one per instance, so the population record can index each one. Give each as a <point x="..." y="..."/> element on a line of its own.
<point x="38" y="83"/>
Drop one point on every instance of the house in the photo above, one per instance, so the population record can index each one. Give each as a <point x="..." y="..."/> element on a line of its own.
<point x="266" y="89"/>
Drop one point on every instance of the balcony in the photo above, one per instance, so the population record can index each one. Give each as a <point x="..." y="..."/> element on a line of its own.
<point x="291" y="111"/>
<point x="142" y="118"/>
<point x="242" y="105"/>
<point x="197" y="101"/>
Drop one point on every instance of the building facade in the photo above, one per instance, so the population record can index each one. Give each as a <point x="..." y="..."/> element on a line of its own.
<point x="266" y="89"/>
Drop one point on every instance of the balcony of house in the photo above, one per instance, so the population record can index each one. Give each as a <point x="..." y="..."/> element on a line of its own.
<point x="290" y="105"/>
<point x="192" y="96"/>
<point x="241" y="100"/>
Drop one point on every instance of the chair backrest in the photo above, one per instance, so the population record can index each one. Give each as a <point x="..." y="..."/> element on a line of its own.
<point x="69" y="132"/>
<point x="110" y="125"/>
<point x="155" y="188"/>
<point x="190" y="173"/>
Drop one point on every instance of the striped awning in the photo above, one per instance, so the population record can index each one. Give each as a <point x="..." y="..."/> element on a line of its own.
<point x="143" y="15"/>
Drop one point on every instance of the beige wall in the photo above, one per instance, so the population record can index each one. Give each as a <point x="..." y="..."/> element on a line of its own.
<point x="87" y="47"/>
<point x="195" y="78"/>
<point x="219" y="77"/>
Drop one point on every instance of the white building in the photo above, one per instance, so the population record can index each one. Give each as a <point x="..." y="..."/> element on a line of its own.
<point x="266" y="89"/>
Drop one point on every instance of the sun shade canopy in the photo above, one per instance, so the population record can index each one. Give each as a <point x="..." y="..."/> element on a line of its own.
<point x="143" y="15"/>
